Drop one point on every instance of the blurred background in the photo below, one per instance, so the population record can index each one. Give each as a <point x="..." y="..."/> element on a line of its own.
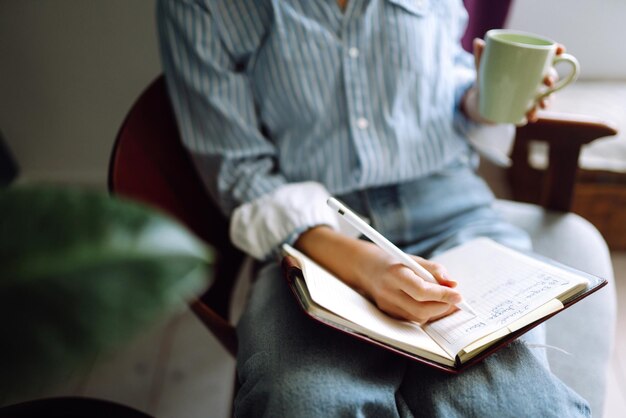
<point x="71" y="69"/>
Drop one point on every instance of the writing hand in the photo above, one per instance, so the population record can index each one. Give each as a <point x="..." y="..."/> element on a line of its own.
<point x="393" y="287"/>
<point x="399" y="292"/>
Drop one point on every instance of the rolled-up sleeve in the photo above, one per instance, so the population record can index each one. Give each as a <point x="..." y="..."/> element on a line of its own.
<point x="261" y="226"/>
<point x="215" y="111"/>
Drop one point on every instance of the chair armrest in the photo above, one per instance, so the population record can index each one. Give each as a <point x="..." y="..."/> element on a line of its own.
<point x="565" y="134"/>
<point x="219" y="326"/>
<point x="213" y="308"/>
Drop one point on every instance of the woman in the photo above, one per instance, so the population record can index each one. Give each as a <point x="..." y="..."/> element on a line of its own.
<point x="283" y="103"/>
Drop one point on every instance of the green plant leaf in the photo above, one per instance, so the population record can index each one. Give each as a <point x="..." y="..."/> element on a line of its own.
<point x="81" y="272"/>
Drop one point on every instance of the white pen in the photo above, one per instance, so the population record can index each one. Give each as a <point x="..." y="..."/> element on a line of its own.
<point x="387" y="245"/>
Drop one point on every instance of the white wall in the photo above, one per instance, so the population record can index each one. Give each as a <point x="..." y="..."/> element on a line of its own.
<point x="592" y="30"/>
<point x="69" y="72"/>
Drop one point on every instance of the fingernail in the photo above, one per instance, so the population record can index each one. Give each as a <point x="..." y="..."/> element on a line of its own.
<point x="449" y="282"/>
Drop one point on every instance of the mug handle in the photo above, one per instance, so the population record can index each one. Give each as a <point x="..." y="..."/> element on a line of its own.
<point x="573" y="75"/>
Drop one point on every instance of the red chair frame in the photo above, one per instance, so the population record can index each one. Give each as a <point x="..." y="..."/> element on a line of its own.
<point x="149" y="164"/>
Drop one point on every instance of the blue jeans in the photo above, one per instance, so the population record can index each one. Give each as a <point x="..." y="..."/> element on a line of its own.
<point x="289" y="365"/>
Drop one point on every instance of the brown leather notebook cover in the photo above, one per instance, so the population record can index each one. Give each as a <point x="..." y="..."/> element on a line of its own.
<point x="292" y="270"/>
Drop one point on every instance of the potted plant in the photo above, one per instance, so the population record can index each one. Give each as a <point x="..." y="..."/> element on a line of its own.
<point x="80" y="273"/>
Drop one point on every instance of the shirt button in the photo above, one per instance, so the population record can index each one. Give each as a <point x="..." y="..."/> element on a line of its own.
<point x="362" y="123"/>
<point x="353" y="52"/>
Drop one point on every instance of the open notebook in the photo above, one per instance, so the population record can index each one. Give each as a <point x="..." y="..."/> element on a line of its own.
<point x="511" y="291"/>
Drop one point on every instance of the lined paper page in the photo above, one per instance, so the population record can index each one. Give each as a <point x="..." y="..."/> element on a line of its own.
<point x="501" y="285"/>
<point x="334" y="295"/>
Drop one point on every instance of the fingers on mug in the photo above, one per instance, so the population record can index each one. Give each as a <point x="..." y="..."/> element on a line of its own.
<point x="571" y="77"/>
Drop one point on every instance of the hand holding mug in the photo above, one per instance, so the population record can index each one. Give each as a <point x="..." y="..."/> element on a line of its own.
<point x="512" y="68"/>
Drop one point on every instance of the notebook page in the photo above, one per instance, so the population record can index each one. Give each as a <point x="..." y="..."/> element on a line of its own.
<point x="334" y="295"/>
<point x="501" y="285"/>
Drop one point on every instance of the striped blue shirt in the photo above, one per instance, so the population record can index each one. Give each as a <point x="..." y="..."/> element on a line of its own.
<point x="270" y="92"/>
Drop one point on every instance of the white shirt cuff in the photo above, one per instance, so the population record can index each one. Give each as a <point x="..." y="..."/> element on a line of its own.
<point x="259" y="227"/>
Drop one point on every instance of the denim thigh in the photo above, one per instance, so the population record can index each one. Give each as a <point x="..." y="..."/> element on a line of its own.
<point x="290" y="365"/>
